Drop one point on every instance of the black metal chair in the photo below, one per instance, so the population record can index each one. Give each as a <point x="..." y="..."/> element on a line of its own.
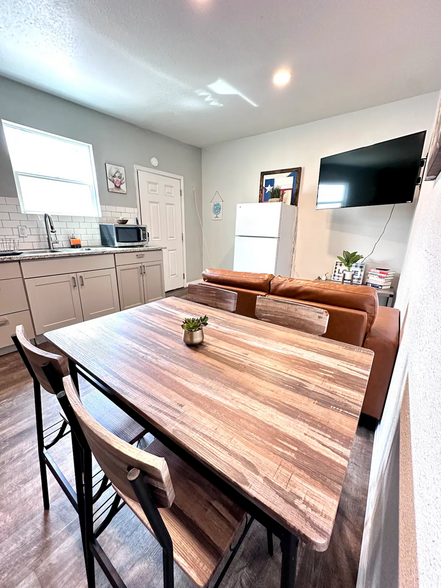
<point x="192" y="520"/>
<point x="37" y="361"/>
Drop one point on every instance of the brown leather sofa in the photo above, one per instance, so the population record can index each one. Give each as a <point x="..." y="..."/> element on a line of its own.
<point x="354" y="317"/>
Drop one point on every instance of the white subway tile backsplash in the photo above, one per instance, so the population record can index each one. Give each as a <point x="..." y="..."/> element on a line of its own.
<point x="8" y="208"/>
<point x="13" y="201"/>
<point x="84" y="228"/>
<point x="2" y="200"/>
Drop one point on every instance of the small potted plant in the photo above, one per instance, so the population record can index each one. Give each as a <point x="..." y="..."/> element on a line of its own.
<point x="276" y="194"/>
<point x="348" y="261"/>
<point x="193" y="332"/>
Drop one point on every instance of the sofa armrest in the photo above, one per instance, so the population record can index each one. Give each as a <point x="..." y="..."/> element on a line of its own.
<point x="383" y="340"/>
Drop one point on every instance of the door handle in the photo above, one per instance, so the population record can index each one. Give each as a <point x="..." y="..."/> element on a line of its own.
<point x="4" y="322"/>
<point x="74" y="282"/>
<point x="81" y="280"/>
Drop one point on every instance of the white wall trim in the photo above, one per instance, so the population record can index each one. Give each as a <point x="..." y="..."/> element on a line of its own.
<point x="138" y="201"/>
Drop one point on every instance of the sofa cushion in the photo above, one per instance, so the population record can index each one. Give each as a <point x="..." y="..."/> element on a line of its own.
<point x="250" y="281"/>
<point x="345" y="324"/>
<point x="383" y="340"/>
<point x="363" y="298"/>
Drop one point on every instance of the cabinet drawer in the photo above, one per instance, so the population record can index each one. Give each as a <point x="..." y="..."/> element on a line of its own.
<point x="12" y="296"/>
<point x="66" y="265"/>
<point x="137" y="257"/>
<point x="9" y="322"/>
<point x="9" y="269"/>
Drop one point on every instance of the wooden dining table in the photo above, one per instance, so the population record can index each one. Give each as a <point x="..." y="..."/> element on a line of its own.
<point x="268" y="414"/>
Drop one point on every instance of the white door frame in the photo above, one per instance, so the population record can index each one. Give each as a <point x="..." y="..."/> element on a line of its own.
<point x="138" y="202"/>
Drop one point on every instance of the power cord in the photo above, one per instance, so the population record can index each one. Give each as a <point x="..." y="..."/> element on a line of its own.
<point x="202" y="228"/>
<point x="379" y="238"/>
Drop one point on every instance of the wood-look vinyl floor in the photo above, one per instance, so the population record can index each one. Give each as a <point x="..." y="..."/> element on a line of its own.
<point x="41" y="549"/>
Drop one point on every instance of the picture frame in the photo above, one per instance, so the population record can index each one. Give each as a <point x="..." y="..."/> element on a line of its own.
<point x="116" y="178"/>
<point x="288" y="179"/>
<point x="358" y="269"/>
<point x="434" y="156"/>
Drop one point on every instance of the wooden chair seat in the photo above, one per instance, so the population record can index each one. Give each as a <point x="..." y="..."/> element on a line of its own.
<point x="111" y="417"/>
<point x="202" y="522"/>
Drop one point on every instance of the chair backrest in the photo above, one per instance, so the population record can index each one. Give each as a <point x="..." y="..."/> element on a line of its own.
<point x="38" y="358"/>
<point x="116" y="457"/>
<point x="214" y="297"/>
<point x="301" y="317"/>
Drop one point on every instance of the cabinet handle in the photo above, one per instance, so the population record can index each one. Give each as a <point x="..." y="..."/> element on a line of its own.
<point x="143" y="269"/>
<point x="140" y="254"/>
<point x="74" y="282"/>
<point x="81" y="281"/>
<point x="4" y="322"/>
<point x="140" y="269"/>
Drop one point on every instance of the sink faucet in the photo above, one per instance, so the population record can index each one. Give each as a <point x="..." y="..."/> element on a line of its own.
<point x="50" y="230"/>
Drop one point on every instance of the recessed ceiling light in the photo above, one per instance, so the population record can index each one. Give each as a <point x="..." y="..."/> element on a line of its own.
<point x="282" y="77"/>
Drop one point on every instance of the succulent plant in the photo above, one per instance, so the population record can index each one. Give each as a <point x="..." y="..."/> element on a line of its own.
<point x="194" y="324"/>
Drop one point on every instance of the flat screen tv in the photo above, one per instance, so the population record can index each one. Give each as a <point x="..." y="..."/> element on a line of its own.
<point x="385" y="173"/>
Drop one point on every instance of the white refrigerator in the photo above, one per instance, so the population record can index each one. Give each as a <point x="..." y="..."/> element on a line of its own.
<point x="265" y="238"/>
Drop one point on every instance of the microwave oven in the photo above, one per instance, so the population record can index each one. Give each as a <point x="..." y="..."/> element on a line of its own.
<point x="123" y="235"/>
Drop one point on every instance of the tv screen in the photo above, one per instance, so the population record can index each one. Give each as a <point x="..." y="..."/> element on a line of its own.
<point x="385" y="173"/>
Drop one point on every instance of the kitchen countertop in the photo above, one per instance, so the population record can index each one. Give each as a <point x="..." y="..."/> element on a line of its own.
<point x="30" y="255"/>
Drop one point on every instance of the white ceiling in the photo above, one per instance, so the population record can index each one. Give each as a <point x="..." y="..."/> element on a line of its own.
<point x="143" y="61"/>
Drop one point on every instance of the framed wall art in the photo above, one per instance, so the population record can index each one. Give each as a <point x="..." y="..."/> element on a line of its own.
<point x="116" y="178"/>
<point x="357" y="268"/>
<point x="288" y="182"/>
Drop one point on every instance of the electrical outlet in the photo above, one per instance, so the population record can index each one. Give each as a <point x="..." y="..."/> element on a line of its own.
<point x="23" y="231"/>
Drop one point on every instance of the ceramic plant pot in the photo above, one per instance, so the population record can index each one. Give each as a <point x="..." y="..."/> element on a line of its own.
<point x="348" y="277"/>
<point x="193" y="337"/>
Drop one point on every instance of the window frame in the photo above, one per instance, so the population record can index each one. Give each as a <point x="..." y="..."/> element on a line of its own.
<point x="93" y="186"/>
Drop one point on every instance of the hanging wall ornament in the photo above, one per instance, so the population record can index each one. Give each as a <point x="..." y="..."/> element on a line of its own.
<point x="217" y="207"/>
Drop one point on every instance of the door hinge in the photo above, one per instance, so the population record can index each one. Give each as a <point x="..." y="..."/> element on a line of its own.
<point x="183" y="275"/>
<point x="180" y="192"/>
<point x="182" y="235"/>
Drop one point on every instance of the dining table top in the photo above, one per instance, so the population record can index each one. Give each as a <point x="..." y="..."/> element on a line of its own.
<point x="270" y="410"/>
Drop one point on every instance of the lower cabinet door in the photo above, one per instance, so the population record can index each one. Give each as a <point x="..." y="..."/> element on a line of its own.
<point x="8" y="324"/>
<point x="154" y="281"/>
<point x="54" y="302"/>
<point x="131" y="285"/>
<point x="99" y="293"/>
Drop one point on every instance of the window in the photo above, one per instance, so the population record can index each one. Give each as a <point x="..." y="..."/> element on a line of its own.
<point x="53" y="174"/>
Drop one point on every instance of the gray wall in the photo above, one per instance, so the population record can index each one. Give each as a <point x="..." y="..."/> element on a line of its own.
<point x="113" y="141"/>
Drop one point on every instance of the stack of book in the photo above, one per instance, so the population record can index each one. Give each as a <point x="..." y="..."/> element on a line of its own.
<point x="380" y="277"/>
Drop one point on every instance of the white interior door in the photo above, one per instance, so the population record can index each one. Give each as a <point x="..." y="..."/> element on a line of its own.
<point x="161" y="204"/>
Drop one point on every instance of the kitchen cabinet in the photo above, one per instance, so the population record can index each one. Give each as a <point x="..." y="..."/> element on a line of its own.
<point x="131" y="285"/>
<point x="54" y="301"/>
<point x="63" y="300"/>
<point x="142" y="282"/>
<point x="13" y="304"/>
<point x="98" y="293"/>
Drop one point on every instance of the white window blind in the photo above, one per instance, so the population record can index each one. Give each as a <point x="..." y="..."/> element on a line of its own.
<point x="53" y="174"/>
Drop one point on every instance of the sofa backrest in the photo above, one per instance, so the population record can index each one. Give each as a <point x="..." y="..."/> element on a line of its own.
<point x="246" y="280"/>
<point x="361" y="298"/>
<point x="247" y="285"/>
